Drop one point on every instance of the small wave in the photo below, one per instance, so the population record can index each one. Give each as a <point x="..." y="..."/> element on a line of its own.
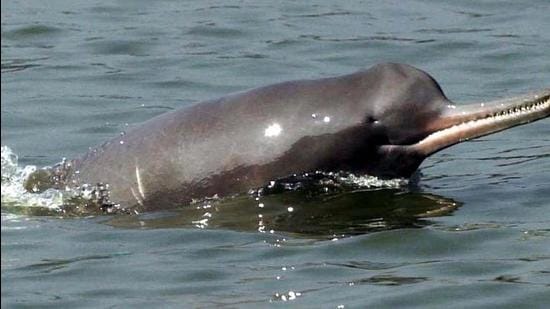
<point x="48" y="199"/>
<point x="31" y="32"/>
<point x="80" y="200"/>
<point x="368" y="182"/>
<point x="320" y="182"/>
<point x="15" y="197"/>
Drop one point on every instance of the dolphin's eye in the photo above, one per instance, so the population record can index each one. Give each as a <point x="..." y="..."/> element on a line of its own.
<point x="371" y="120"/>
<point x="377" y="132"/>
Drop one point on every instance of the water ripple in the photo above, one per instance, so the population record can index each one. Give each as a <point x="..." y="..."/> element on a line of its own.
<point x="19" y="64"/>
<point x="111" y="47"/>
<point x="389" y="280"/>
<point x="454" y="30"/>
<point x="51" y="265"/>
<point x="28" y="32"/>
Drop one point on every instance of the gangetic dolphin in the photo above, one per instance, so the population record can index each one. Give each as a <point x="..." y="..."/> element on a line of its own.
<point x="383" y="121"/>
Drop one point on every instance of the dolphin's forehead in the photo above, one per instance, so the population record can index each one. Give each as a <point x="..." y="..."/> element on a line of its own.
<point x="398" y="90"/>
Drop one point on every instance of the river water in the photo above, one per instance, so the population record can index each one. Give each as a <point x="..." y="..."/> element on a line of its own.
<point x="472" y="231"/>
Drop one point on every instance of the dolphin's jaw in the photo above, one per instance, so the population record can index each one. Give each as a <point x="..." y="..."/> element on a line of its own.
<point x="460" y="124"/>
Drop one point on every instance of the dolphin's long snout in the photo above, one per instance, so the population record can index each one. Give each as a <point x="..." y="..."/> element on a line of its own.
<point x="461" y="123"/>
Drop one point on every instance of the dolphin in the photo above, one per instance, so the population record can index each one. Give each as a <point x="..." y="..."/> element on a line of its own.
<point x="383" y="121"/>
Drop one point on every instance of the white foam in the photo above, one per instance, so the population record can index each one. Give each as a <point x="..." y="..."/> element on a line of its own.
<point x="13" y="192"/>
<point x="366" y="181"/>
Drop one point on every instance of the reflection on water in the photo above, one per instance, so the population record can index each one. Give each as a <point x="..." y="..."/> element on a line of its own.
<point x="336" y="214"/>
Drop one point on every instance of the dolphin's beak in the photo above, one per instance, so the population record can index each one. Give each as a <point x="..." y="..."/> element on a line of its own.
<point x="461" y="123"/>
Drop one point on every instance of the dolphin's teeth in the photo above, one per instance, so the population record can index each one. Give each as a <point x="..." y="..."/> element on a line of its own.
<point x="498" y="116"/>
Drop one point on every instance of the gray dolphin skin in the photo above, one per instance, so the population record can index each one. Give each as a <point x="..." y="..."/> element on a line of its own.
<point x="383" y="121"/>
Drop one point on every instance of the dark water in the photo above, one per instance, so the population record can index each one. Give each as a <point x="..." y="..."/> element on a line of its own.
<point x="75" y="73"/>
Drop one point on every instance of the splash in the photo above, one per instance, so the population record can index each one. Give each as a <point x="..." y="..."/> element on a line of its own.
<point x="14" y="195"/>
<point x="86" y="199"/>
<point x="368" y="182"/>
<point x="320" y="182"/>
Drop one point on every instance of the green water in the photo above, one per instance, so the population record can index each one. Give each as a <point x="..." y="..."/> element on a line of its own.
<point x="76" y="73"/>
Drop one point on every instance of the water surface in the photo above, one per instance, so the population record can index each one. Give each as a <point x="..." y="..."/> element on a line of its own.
<point x="76" y="73"/>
